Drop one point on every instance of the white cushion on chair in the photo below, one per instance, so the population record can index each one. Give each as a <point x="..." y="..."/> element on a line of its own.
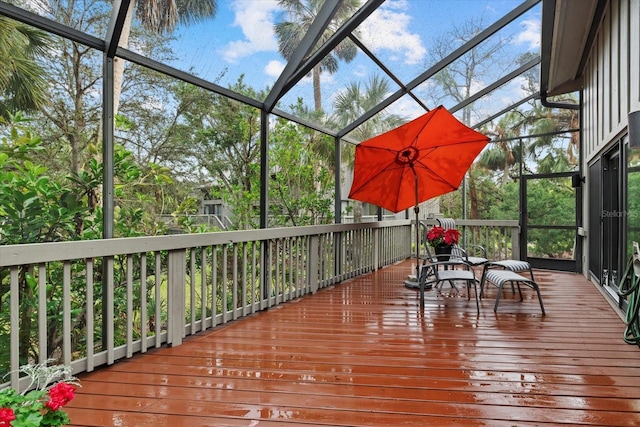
<point x="513" y="264"/>
<point x="444" y="275"/>
<point x="475" y="260"/>
<point x="499" y="277"/>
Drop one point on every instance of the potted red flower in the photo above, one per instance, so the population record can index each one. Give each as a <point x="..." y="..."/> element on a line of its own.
<point x="52" y="387"/>
<point x="442" y="240"/>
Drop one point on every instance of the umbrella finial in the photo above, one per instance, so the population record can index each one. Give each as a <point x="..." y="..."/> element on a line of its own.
<point x="407" y="155"/>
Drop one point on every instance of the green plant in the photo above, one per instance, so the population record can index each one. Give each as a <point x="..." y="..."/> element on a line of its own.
<point x="51" y="388"/>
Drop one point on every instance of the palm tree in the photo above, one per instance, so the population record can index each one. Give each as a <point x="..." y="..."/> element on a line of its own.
<point x="301" y="14"/>
<point x="550" y="157"/>
<point x="543" y="120"/>
<point x="501" y="156"/>
<point x="22" y="83"/>
<point x="159" y="16"/>
<point x="353" y="102"/>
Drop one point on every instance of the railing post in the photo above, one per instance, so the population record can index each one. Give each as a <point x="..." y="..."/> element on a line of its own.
<point x="314" y="263"/>
<point x="338" y="266"/>
<point x="14" y="325"/>
<point x="515" y="242"/>
<point x="376" y="248"/>
<point x="175" y="296"/>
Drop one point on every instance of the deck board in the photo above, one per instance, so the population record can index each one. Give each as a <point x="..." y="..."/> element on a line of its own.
<point x="362" y="353"/>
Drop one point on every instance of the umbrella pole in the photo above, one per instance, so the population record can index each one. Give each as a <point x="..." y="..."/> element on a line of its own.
<point x="416" y="209"/>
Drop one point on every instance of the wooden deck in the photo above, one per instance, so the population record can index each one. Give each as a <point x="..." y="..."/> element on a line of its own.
<point x="361" y="353"/>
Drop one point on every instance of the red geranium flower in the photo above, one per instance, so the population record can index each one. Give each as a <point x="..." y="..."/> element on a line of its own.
<point x="451" y="236"/>
<point x="60" y="394"/>
<point x="438" y="236"/>
<point x="6" y="416"/>
<point x="435" y="234"/>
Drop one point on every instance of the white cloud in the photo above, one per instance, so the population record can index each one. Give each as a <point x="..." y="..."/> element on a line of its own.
<point x="325" y="78"/>
<point x="256" y="21"/>
<point x="518" y="86"/>
<point x="274" y="68"/>
<point x="530" y="35"/>
<point x="360" y="71"/>
<point x="406" y="107"/>
<point x="387" y="29"/>
<point x="476" y="86"/>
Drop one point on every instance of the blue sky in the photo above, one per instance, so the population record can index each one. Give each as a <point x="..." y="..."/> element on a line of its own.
<point x="241" y="40"/>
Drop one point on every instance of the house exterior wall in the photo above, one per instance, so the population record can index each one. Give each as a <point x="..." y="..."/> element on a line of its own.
<point x="611" y="91"/>
<point x="612" y="77"/>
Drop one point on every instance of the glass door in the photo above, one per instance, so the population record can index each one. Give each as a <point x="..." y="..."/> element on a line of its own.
<point x="611" y="221"/>
<point x="549" y="236"/>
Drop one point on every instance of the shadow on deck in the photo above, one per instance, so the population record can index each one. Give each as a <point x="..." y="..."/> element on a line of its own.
<point x="361" y="353"/>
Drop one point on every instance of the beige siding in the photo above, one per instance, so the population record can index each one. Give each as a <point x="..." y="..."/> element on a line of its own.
<point x="611" y="86"/>
<point x="634" y="55"/>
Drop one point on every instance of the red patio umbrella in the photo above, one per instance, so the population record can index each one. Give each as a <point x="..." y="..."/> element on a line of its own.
<point x="415" y="162"/>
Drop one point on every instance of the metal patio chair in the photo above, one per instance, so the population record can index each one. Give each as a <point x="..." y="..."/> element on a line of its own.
<point x="460" y="252"/>
<point x="435" y="273"/>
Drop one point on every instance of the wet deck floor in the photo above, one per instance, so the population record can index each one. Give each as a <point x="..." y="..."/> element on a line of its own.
<point x="362" y="353"/>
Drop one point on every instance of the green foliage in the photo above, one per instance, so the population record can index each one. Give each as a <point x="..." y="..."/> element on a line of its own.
<point x="451" y="204"/>
<point x="227" y="136"/>
<point x="300" y="189"/>
<point x="22" y="78"/>
<point x="633" y="201"/>
<point x="30" y="410"/>
<point x="40" y="406"/>
<point x="33" y="207"/>
<point x="297" y="20"/>
<point x="503" y="202"/>
<point x="224" y="139"/>
<point x="550" y="202"/>
<point x="36" y="207"/>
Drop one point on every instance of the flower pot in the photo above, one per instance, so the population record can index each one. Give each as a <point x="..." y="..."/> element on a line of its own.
<point x="443" y="253"/>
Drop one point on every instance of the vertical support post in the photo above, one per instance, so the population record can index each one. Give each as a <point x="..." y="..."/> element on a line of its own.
<point x="314" y="263"/>
<point x="337" y="237"/>
<point x="108" y="220"/>
<point x="337" y="181"/>
<point x="264" y="169"/>
<point x="107" y="150"/>
<point x="264" y="200"/>
<point x="522" y="220"/>
<point x="176" y="283"/>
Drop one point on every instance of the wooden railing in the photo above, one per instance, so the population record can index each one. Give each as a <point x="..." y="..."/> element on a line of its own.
<point x="501" y="239"/>
<point x="92" y="303"/>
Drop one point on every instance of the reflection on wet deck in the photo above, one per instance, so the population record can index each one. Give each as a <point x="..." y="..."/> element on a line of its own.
<point x="361" y="353"/>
